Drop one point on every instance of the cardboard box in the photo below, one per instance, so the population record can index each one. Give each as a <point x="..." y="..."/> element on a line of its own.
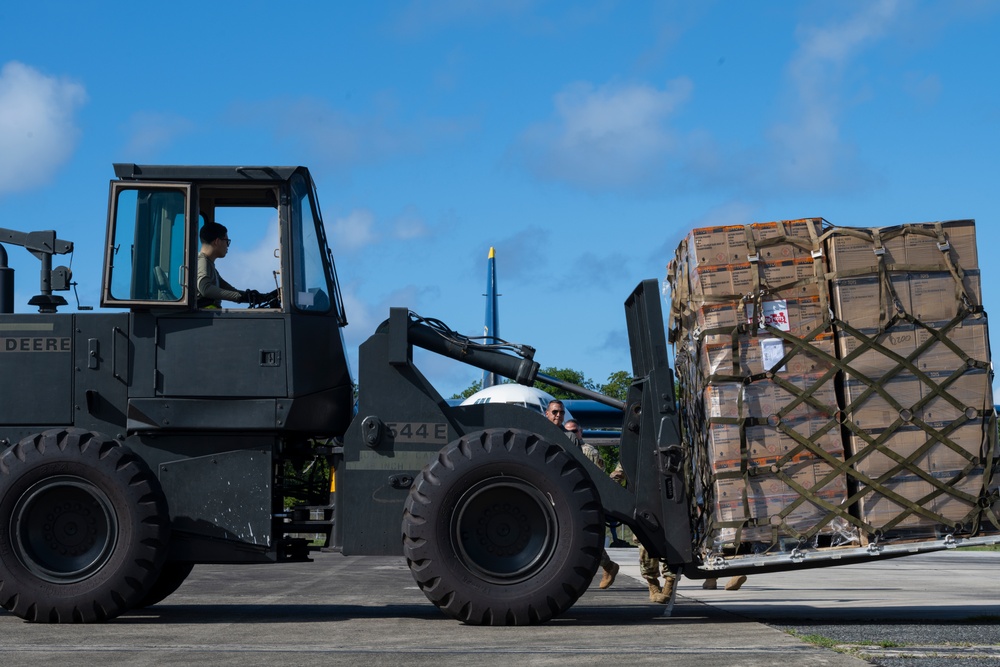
<point x="849" y="253"/>
<point x="936" y="354"/>
<point x="919" y="450"/>
<point x="765" y="398"/>
<point x="934" y="296"/>
<point x="781" y="274"/>
<point x="723" y="400"/>
<point x="923" y="250"/>
<point x="968" y="394"/>
<point x="766" y="501"/>
<point x="868" y="354"/>
<point x="766" y="353"/>
<point x="724" y="446"/>
<point x="798" y="316"/>
<point x="879" y="510"/>
<point x="736" y="279"/>
<point x="718" y="321"/>
<point x="728" y="244"/>
<point x="869" y="408"/>
<point x="908" y="247"/>
<point x="971" y="336"/>
<point x="864" y="304"/>
<point x="938" y="398"/>
<point x="715" y="245"/>
<point x="768" y="445"/>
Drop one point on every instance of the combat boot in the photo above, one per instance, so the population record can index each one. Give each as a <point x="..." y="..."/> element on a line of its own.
<point x="656" y="593"/>
<point x="609" y="576"/>
<point x="735" y="583"/>
<point x="668" y="588"/>
<point x="710" y="584"/>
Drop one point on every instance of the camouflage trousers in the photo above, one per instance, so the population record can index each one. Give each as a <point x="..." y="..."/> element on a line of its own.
<point x="605" y="560"/>
<point x="651" y="567"/>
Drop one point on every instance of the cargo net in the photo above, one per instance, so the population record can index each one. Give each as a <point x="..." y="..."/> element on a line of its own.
<point x="835" y="384"/>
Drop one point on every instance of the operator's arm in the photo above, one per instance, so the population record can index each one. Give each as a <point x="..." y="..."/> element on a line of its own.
<point x="212" y="286"/>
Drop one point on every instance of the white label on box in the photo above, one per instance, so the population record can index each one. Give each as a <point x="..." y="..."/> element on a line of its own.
<point x="771" y="352"/>
<point x="775" y="314"/>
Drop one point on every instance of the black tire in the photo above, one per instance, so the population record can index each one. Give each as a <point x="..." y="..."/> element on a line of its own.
<point x="171" y="577"/>
<point x="503" y="528"/>
<point x="83" y="528"/>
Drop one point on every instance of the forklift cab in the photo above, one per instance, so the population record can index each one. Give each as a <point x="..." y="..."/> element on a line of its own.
<point x="292" y="350"/>
<point x="151" y="256"/>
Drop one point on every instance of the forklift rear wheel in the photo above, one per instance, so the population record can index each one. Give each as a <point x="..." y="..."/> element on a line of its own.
<point x="503" y="528"/>
<point x="86" y="528"/>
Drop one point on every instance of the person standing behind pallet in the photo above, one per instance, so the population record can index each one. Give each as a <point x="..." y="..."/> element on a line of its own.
<point x="575" y="433"/>
<point x="732" y="585"/>
<point x="650" y="567"/>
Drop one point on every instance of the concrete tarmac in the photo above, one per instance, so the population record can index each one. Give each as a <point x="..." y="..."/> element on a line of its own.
<point x="367" y="611"/>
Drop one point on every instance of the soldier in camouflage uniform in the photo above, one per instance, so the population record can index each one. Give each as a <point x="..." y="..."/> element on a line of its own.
<point x="650" y="567"/>
<point x="575" y="433"/>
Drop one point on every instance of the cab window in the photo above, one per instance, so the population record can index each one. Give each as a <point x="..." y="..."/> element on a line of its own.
<point x="312" y="289"/>
<point x="146" y="259"/>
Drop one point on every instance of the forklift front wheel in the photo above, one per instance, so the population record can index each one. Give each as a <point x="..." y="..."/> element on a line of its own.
<point x="173" y="574"/>
<point x="85" y="528"/>
<point x="503" y="528"/>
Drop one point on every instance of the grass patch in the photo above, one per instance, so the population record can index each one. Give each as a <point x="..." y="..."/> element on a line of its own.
<point x="981" y="547"/>
<point x="885" y="643"/>
<point x="815" y="640"/>
<point x="855" y="648"/>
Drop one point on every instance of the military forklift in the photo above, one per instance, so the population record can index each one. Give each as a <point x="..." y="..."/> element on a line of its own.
<point x="153" y="435"/>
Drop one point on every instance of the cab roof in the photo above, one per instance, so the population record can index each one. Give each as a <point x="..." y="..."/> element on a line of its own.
<point x="128" y="171"/>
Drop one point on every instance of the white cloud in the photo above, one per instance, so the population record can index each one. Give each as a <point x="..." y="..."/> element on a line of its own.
<point x="359" y="228"/>
<point x="149" y="132"/>
<point x="338" y="139"/>
<point x="808" y="151"/>
<point x="409" y="225"/>
<point x="608" y="137"/>
<point x="523" y="258"/>
<point x="254" y="267"/>
<point x="38" y="131"/>
<point x="354" y="231"/>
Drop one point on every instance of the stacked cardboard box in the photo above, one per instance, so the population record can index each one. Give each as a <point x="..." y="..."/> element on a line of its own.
<point x="757" y="314"/>
<point x="916" y="384"/>
<point x="886" y="403"/>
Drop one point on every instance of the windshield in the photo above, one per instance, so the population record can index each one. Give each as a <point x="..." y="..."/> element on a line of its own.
<point x="315" y="286"/>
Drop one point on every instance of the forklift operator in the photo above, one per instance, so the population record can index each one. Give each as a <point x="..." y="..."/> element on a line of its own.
<point x="212" y="289"/>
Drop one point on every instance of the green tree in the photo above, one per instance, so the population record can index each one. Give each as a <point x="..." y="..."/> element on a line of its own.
<point x="566" y="375"/>
<point x="617" y="385"/>
<point x="469" y="391"/>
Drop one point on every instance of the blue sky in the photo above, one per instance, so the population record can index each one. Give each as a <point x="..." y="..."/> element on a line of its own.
<point x="582" y="140"/>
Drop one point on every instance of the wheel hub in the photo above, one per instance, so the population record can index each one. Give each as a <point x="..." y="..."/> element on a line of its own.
<point x="504" y="529"/>
<point x="64" y="529"/>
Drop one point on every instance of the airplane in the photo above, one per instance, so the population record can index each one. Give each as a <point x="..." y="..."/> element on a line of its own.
<point x="599" y="421"/>
<point x="491" y="330"/>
